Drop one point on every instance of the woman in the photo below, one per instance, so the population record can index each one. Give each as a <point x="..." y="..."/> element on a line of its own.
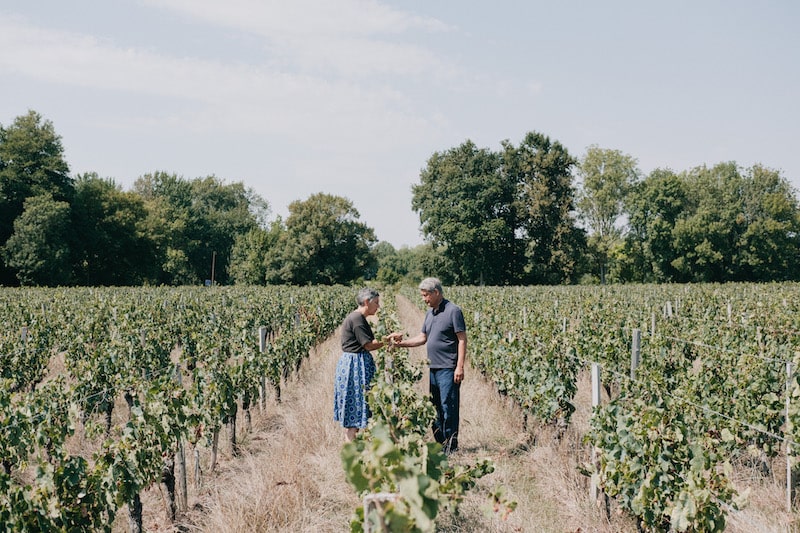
<point x="356" y="368"/>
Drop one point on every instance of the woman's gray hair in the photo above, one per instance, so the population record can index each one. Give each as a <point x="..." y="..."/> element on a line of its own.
<point x="365" y="295"/>
<point x="430" y="285"/>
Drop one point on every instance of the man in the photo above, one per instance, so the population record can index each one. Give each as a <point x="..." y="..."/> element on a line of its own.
<point x="445" y="334"/>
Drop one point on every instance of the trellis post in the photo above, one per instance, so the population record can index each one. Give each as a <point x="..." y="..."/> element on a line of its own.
<point x="262" y="388"/>
<point x="790" y="470"/>
<point x="375" y="501"/>
<point x="594" y="491"/>
<point x="636" y="352"/>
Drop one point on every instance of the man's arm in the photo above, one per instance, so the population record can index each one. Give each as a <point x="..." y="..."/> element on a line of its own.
<point x="412" y="342"/>
<point x="458" y="376"/>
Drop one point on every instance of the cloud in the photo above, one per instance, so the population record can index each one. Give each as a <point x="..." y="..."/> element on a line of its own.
<point x="303" y="17"/>
<point x="256" y="98"/>
<point x="347" y="97"/>
<point x="352" y="38"/>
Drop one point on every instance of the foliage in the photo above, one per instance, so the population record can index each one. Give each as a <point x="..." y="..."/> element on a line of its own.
<point x="409" y="265"/>
<point x="117" y="342"/>
<point x="606" y="177"/>
<point x="466" y="203"/>
<point x="194" y="224"/>
<point x="715" y="224"/>
<point x="541" y="168"/>
<point x="31" y="164"/>
<point x="250" y="254"/>
<point x="504" y="217"/>
<point x="38" y="250"/>
<point x="109" y="245"/>
<point x="654" y="206"/>
<point x="323" y="243"/>
<point x="661" y="468"/>
<point x="489" y="217"/>
<point x="708" y="393"/>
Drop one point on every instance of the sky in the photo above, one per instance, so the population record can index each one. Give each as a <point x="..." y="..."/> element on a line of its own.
<point x="352" y="97"/>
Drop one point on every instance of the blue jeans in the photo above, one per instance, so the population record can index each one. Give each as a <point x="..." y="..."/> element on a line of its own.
<point x="445" y="394"/>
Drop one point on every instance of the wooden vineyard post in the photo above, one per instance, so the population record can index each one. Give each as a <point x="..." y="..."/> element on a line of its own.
<point x="181" y="459"/>
<point x="168" y="480"/>
<point x="636" y="352"/>
<point x="262" y="388"/>
<point x="791" y="473"/>
<point x="214" y="448"/>
<point x="374" y="502"/>
<point x="135" y="502"/>
<point x="198" y="473"/>
<point x="594" y="490"/>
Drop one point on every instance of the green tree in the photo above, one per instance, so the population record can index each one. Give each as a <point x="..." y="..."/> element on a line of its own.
<point x="323" y="243"/>
<point x="768" y="248"/>
<point x="389" y="270"/>
<point x="606" y="176"/>
<point x="408" y="265"/>
<point x="194" y="224"/>
<point x="219" y="213"/>
<point x="37" y="249"/>
<point x="31" y="163"/>
<point x="654" y="206"/>
<point x="713" y="224"/>
<point x="109" y="245"/>
<point x="707" y="234"/>
<point x="168" y="200"/>
<point x="250" y="254"/>
<point x="466" y="205"/>
<point x="542" y="170"/>
<point x="428" y="260"/>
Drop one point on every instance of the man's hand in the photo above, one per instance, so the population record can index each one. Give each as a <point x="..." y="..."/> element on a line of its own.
<point x="392" y="339"/>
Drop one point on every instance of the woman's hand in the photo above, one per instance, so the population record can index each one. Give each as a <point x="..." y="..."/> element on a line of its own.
<point x="393" y="338"/>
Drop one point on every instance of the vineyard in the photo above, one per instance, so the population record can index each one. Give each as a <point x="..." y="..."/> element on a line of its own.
<point x="700" y="382"/>
<point x="143" y="376"/>
<point x="107" y="392"/>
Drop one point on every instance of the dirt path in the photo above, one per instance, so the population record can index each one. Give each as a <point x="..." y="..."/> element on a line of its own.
<point x="290" y="477"/>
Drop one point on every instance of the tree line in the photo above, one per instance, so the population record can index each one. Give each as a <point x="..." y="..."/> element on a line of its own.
<point x="527" y="214"/>
<point x="534" y="214"/>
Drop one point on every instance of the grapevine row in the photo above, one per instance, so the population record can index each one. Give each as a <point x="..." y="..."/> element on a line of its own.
<point x="708" y="394"/>
<point x="137" y="373"/>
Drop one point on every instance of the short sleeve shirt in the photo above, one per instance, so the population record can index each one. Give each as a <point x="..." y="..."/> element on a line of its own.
<point x="440" y="327"/>
<point x="356" y="332"/>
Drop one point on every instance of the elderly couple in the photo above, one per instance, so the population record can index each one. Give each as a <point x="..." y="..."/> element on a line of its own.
<point x="445" y="334"/>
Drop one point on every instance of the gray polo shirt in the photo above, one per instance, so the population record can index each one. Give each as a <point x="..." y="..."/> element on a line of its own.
<point x="440" y="327"/>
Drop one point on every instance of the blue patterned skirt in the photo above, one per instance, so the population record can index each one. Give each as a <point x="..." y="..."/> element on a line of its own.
<point x="354" y="373"/>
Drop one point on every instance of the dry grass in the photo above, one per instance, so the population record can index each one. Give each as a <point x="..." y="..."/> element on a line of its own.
<point x="289" y="476"/>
